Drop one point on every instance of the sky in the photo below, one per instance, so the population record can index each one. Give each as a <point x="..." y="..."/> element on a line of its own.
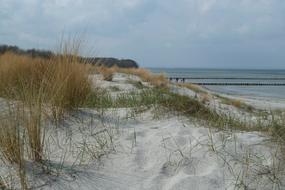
<point x="243" y="34"/>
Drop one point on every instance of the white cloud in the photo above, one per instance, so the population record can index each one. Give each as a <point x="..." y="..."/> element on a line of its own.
<point x="133" y="28"/>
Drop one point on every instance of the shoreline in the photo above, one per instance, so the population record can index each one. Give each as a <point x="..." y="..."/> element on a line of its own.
<point x="246" y="92"/>
<point x="260" y="102"/>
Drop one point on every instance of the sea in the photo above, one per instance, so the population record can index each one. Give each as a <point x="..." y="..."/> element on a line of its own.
<point x="233" y="76"/>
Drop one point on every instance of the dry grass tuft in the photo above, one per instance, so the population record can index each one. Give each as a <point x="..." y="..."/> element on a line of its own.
<point x="36" y="89"/>
<point x="193" y="87"/>
<point x="69" y="85"/>
<point x="142" y="73"/>
<point x="60" y="82"/>
<point x="58" y="85"/>
<point x="236" y="103"/>
<point x="145" y="75"/>
<point x="12" y="141"/>
<point x="107" y="72"/>
<point x="158" y="80"/>
<point x="205" y="98"/>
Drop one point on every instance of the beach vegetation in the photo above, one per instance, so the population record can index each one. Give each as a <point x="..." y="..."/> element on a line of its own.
<point x="196" y="88"/>
<point x="36" y="90"/>
<point x="157" y="80"/>
<point x="107" y="72"/>
<point x="235" y="102"/>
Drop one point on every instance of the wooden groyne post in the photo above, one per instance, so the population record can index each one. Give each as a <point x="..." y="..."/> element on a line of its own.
<point x="275" y="83"/>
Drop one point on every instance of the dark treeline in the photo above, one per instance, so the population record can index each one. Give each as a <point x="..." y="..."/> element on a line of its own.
<point x="30" y="52"/>
<point x="100" y="61"/>
<point x="110" y="62"/>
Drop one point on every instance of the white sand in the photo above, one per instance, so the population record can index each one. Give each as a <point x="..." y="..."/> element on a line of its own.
<point x="173" y="153"/>
<point x="262" y="103"/>
<point x="167" y="153"/>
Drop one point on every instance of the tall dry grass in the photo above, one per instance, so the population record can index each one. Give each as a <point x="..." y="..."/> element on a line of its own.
<point x="36" y="89"/>
<point x="12" y="141"/>
<point x="69" y="85"/>
<point x="60" y="82"/>
<point x="10" y="137"/>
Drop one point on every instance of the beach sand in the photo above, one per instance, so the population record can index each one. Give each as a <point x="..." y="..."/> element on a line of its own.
<point x="154" y="151"/>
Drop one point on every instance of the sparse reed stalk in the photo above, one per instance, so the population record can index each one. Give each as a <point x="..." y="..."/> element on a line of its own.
<point x="10" y="137"/>
<point x="12" y="140"/>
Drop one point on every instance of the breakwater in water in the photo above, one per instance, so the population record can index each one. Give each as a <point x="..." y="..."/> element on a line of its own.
<point x="253" y="83"/>
<point x="275" y="83"/>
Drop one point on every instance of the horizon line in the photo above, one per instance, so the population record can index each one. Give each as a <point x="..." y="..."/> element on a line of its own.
<point x="211" y="68"/>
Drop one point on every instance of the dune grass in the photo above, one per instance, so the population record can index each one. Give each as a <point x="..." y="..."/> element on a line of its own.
<point x="35" y="90"/>
<point x="154" y="79"/>
<point x="163" y="100"/>
<point x="12" y="141"/>
<point x="10" y="137"/>
<point x="193" y="87"/>
<point x="236" y="103"/>
<point x="60" y="82"/>
<point x="107" y="72"/>
<point x="228" y="101"/>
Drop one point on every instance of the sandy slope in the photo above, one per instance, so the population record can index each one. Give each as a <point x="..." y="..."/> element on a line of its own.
<point x="165" y="153"/>
<point x="173" y="152"/>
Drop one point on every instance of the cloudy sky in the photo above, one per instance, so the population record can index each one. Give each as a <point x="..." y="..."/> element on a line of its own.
<point x="156" y="33"/>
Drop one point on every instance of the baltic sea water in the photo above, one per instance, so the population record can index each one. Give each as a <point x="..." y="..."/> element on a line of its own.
<point x="258" y="76"/>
